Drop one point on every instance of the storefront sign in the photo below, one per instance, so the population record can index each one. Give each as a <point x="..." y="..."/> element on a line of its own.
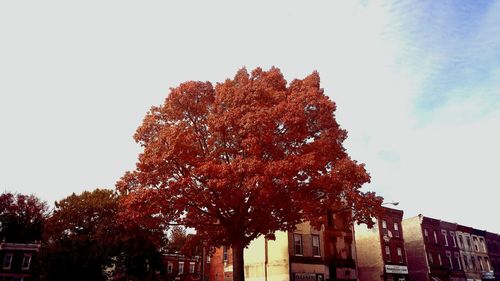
<point x="398" y="269"/>
<point x="308" y="277"/>
<point x="488" y="275"/>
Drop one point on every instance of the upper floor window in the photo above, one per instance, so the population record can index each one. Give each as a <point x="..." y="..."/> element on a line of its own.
<point x="461" y="241"/>
<point x="452" y="234"/>
<point x="400" y="255"/>
<point x="181" y="267"/>
<point x="483" y="246"/>
<point x="480" y="262"/>
<point x="297" y="242"/>
<point x="487" y="262"/>
<point x="435" y="237"/>
<point x="387" y="253"/>
<point x="457" y="258"/>
<point x="431" y="259"/>
<point x="476" y="244"/>
<point x="469" y="246"/>
<point x="7" y="261"/>
<point x="440" y="260"/>
<point x="315" y="246"/>
<point x="191" y="267"/>
<point x="473" y="263"/>
<point x="396" y="229"/>
<point x="445" y="236"/>
<point x="426" y="235"/>
<point x="384" y="227"/>
<point x="450" y="262"/>
<point x="26" y="262"/>
<point x="466" y="263"/>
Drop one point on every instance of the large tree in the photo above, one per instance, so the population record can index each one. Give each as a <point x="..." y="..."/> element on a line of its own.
<point x="248" y="157"/>
<point x="21" y="217"/>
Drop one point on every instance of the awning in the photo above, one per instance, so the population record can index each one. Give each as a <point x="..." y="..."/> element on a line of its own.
<point x="436" y="279"/>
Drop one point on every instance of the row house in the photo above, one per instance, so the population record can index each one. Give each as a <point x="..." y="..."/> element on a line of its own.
<point x="17" y="261"/>
<point x="381" y="250"/>
<point x="180" y="267"/>
<point x="493" y="247"/>
<point x="439" y="250"/>
<point x="432" y="248"/>
<point x="306" y="254"/>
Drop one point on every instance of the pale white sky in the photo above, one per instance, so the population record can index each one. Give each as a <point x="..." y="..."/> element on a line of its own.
<point x="417" y="85"/>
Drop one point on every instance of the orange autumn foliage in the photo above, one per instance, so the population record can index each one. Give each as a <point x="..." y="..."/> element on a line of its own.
<point x="248" y="157"/>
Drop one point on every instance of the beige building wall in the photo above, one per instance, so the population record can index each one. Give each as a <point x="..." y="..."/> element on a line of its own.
<point x="418" y="266"/>
<point x="276" y="268"/>
<point x="370" y="261"/>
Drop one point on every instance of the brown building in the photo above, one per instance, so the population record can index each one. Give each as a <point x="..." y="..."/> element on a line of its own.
<point x="307" y="254"/>
<point x="17" y="261"/>
<point x="381" y="249"/>
<point x="493" y="245"/>
<point x="179" y="267"/>
<point x="433" y="250"/>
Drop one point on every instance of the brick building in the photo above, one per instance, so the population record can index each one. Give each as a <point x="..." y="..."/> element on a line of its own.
<point x="433" y="250"/>
<point x="381" y="249"/>
<point x="179" y="267"/>
<point x="493" y="245"/>
<point x="307" y="254"/>
<point x="17" y="261"/>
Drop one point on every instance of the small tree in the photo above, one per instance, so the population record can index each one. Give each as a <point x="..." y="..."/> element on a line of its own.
<point x="21" y="218"/>
<point x="247" y="158"/>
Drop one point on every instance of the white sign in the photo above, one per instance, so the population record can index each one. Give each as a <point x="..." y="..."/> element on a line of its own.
<point x="398" y="269"/>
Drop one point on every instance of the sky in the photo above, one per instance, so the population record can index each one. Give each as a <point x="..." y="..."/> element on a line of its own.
<point x="416" y="83"/>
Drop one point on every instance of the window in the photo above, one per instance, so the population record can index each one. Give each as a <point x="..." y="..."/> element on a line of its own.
<point x="440" y="260"/>
<point x="480" y="262"/>
<point x="181" y="267"/>
<point x="26" y="262"/>
<point x="445" y="236"/>
<point x="224" y="253"/>
<point x="384" y="227"/>
<point x="435" y="237"/>
<point x="431" y="260"/>
<point x="461" y="241"/>
<point x="450" y="262"/>
<point x="170" y="267"/>
<point x="482" y="244"/>
<point x="476" y="244"/>
<point x="7" y="261"/>
<point x="396" y="229"/>
<point x="315" y="244"/>
<point x="487" y="262"/>
<point x="426" y="235"/>
<point x="452" y="234"/>
<point x="400" y="255"/>
<point x="191" y="267"/>
<point x="297" y="238"/>
<point x="473" y="263"/>
<point x="387" y="253"/>
<point x="466" y="263"/>
<point x="457" y="258"/>
<point x="469" y="246"/>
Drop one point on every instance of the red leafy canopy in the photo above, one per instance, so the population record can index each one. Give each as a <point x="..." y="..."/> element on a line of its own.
<point x="249" y="157"/>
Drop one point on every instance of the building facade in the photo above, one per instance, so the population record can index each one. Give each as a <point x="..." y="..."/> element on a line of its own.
<point x="493" y="246"/>
<point x="306" y="254"/>
<point x="17" y="261"/>
<point x="381" y="249"/>
<point x="179" y="267"/>
<point x="433" y="250"/>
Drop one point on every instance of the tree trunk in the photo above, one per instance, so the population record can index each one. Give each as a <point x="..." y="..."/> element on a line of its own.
<point x="238" y="263"/>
